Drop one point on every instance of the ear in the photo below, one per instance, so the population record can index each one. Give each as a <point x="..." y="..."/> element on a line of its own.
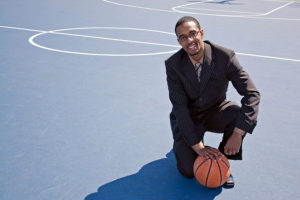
<point x="201" y="33"/>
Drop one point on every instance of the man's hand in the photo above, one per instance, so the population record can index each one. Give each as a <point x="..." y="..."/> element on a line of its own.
<point x="208" y="151"/>
<point x="234" y="143"/>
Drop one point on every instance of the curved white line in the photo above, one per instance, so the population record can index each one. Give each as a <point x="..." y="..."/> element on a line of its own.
<point x="31" y="41"/>
<point x="114" y="28"/>
<point x="98" y="54"/>
<point x="252" y="15"/>
<point x="114" y="39"/>
<point x="242" y="16"/>
<point x="189" y="4"/>
<point x="229" y="11"/>
<point x="204" y="14"/>
<point x="132" y="6"/>
<point x="58" y="31"/>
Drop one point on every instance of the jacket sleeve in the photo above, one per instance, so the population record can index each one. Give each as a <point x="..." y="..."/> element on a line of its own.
<point x="241" y="81"/>
<point x="179" y="100"/>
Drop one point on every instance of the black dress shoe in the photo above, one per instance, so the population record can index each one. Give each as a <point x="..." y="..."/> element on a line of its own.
<point x="230" y="182"/>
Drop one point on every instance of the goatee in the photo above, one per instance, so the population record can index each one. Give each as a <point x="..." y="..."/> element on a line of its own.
<point x="194" y="54"/>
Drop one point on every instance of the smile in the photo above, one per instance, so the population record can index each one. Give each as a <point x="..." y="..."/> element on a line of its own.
<point x="193" y="47"/>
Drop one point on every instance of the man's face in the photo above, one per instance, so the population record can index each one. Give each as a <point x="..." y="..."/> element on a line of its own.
<point x="190" y="37"/>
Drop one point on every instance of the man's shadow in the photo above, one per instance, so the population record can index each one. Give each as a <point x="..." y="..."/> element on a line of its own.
<point x="156" y="180"/>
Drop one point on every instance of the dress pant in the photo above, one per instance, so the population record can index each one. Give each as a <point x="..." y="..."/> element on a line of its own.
<point x="221" y="119"/>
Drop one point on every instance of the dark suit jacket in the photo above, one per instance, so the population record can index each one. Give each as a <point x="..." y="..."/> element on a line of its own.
<point x="191" y="98"/>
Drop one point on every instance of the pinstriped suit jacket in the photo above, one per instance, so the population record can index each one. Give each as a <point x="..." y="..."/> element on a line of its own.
<point x="190" y="98"/>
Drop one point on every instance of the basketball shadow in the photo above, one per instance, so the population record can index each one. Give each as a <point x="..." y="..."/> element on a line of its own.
<point x="156" y="180"/>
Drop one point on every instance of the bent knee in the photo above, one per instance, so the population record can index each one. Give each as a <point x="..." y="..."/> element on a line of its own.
<point x="186" y="172"/>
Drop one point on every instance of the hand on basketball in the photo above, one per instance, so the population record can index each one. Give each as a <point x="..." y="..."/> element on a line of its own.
<point x="233" y="144"/>
<point x="210" y="152"/>
<point x="206" y="151"/>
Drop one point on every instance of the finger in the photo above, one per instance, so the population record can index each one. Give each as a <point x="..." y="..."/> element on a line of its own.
<point x="202" y="153"/>
<point x="229" y="151"/>
<point x="220" y="154"/>
<point x="235" y="151"/>
<point x="208" y="154"/>
<point x="214" y="153"/>
<point x="226" y="150"/>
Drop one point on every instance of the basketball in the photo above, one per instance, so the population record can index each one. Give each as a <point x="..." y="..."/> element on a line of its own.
<point x="211" y="173"/>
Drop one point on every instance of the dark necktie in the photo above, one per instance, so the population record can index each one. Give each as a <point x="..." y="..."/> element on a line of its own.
<point x="198" y="70"/>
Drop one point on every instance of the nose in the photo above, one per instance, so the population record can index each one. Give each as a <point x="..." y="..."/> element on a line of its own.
<point x="190" y="39"/>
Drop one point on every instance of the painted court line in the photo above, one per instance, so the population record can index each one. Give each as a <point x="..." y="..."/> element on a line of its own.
<point x="58" y="32"/>
<point x="269" y="57"/>
<point x="31" y="40"/>
<point x="229" y="11"/>
<point x="253" y="15"/>
<point x="204" y="14"/>
<point x="280" y="7"/>
<point x="23" y="29"/>
<point x="189" y="4"/>
<point x="140" y="7"/>
<point x="112" y="39"/>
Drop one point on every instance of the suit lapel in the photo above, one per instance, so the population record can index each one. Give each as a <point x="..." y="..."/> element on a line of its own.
<point x="189" y="71"/>
<point x="207" y="67"/>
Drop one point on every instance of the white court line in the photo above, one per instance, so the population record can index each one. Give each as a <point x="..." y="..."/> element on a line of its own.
<point x="24" y="29"/>
<point x="280" y="7"/>
<point x="189" y="4"/>
<point x="283" y="1"/>
<point x="97" y="37"/>
<point x="113" y="39"/>
<point x="229" y="11"/>
<point x="204" y="14"/>
<point x="254" y="15"/>
<point x="31" y="40"/>
<point x="133" y="6"/>
<point x="269" y="57"/>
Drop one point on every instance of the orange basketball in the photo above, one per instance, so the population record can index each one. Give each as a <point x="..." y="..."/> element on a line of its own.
<point x="211" y="173"/>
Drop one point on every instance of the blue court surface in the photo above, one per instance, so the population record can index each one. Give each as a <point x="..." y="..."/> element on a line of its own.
<point x="84" y="106"/>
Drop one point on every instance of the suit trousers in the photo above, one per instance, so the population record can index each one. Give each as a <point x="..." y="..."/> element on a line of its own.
<point x="221" y="119"/>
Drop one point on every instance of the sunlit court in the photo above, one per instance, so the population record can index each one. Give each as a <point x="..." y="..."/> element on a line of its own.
<point x="84" y="101"/>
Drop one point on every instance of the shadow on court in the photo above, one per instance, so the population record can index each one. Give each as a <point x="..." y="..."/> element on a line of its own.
<point x="228" y="2"/>
<point x="156" y="180"/>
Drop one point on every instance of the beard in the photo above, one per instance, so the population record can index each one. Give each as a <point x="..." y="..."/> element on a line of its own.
<point x="195" y="53"/>
<point x="198" y="52"/>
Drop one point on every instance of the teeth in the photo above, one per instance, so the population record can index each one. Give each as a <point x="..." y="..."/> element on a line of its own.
<point x="193" y="46"/>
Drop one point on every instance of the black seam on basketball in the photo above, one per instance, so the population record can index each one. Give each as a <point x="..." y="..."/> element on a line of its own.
<point x="200" y="165"/>
<point x="225" y="163"/>
<point x="208" y="172"/>
<point x="220" y="173"/>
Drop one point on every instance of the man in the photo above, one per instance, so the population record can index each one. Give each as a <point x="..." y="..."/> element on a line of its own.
<point x="198" y="77"/>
